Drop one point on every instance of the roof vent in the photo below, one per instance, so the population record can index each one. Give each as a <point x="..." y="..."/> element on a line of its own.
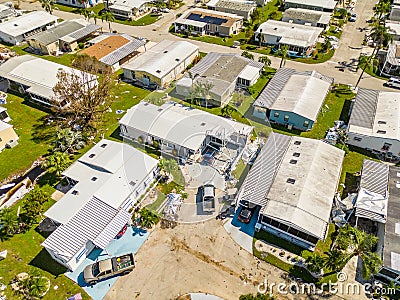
<point x="103" y="145"/>
<point x="166" y="51"/>
<point x="203" y="124"/>
<point x="381" y="122"/>
<point x="75" y="192"/>
<point x="160" y="109"/>
<point x="132" y="183"/>
<point x="297" y="142"/>
<point x="291" y="180"/>
<point x="296" y="154"/>
<point x="177" y="59"/>
<point x="158" y="71"/>
<point x="92" y="155"/>
<point x="381" y="131"/>
<point x="293" y="161"/>
<point x="94" y="179"/>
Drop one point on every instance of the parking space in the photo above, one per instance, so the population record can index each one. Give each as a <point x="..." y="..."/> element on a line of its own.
<point x="131" y="241"/>
<point x="242" y="233"/>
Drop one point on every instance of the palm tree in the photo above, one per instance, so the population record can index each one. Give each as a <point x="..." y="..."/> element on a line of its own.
<point x="9" y="221"/>
<point x="108" y="16"/>
<point x="34" y="286"/>
<point x="207" y="87"/>
<point x="265" y="60"/>
<point x="148" y="218"/>
<point x="247" y="55"/>
<point x="85" y="13"/>
<point x="192" y="94"/>
<point x="94" y="16"/>
<point x="68" y="140"/>
<point x="56" y="163"/>
<point x="381" y="35"/>
<point x="168" y="166"/>
<point x="352" y="242"/>
<point x="284" y="53"/>
<point x="48" y="5"/>
<point x="314" y="263"/>
<point x="381" y="9"/>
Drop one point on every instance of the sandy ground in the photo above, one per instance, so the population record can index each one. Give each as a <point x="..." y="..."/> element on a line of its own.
<point x="192" y="258"/>
<point x="198" y="257"/>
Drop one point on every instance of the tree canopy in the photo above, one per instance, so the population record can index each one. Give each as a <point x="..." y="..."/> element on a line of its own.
<point x="86" y="101"/>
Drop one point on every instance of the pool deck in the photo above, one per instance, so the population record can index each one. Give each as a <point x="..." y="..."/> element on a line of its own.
<point x="131" y="241"/>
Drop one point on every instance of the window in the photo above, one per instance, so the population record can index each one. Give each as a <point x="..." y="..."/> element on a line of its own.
<point x="297" y="142"/>
<point x="306" y="123"/>
<point x="293" y="161"/>
<point x="296" y="154"/>
<point x="276" y="115"/>
<point x="286" y="118"/>
<point x="291" y="180"/>
<point x="358" y="139"/>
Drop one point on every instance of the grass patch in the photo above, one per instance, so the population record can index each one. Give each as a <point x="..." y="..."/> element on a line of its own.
<point x="331" y="111"/>
<point x="156" y="204"/>
<point x="370" y="70"/>
<point x="25" y="254"/>
<point x="257" y="88"/>
<point x="34" y="138"/>
<point x="66" y="59"/>
<point x="282" y="243"/>
<point x="352" y="164"/>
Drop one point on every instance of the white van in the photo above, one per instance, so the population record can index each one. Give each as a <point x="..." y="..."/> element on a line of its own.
<point x="393" y="82"/>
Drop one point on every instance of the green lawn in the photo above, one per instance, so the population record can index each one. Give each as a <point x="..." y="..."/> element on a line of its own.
<point x="371" y="71"/>
<point x="25" y="254"/>
<point x="126" y="96"/>
<point x="34" y="138"/>
<point x="331" y="110"/>
<point x="65" y="59"/>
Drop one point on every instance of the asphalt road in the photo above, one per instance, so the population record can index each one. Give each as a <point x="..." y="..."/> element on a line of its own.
<point x="350" y="44"/>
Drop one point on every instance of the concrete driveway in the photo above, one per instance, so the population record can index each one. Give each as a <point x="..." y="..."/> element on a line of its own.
<point x="240" y="232"/>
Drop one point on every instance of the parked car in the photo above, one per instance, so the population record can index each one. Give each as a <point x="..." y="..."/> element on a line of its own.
<point x="165" y="10"/>
<point x="122" y="232"/>
<point x="353" y="18"/>
<point x="393" y="82"/>
<point x="208" y="197"/>
<point x="107" y="268"/>
<point x="245" y="215"/>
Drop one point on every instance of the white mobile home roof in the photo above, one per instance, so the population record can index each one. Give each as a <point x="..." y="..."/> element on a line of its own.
<point x="326" y="4"/>
<point x="37" y="73"/>
<point x="302" y="93"/>
<point x="127" y="5"/>
<point x="376" y="113"/>
<point x="27" y="22"/>
<point x="117" y="168"/>
<point x="291" y="34"/>
<point x="162" y="58"/>
<point x="307" y="15"/>
<point x="307" y="202"/>
<point x="180" y="124"/>
<point x="96" y="221"/>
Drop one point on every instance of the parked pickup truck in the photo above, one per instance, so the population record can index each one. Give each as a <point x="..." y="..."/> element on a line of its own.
<point x="208" y="197"/>
<point x="104" y="269"/>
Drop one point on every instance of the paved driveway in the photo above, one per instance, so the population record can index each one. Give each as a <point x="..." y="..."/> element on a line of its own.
<point x="131" y="241"/>
<point x="240" y="232"/>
